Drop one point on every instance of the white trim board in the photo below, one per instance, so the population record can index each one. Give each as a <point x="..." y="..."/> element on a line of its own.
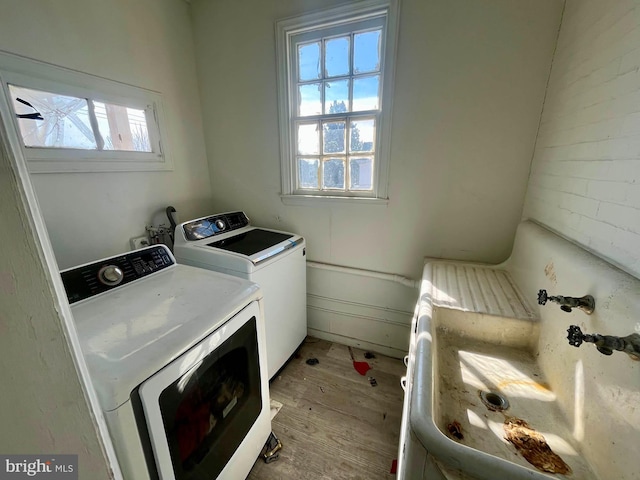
<point x="380" y="329"/>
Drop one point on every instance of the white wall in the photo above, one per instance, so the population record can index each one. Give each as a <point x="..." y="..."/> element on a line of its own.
<point x="468" y="95"/>
<point x="585" y="179"/>
<point x="42" y="403"/>
<point x="598" y="395"/>
<point x="147" y="43"/>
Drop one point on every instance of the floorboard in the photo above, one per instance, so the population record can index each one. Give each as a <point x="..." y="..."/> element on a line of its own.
<point x="333" y="424"/>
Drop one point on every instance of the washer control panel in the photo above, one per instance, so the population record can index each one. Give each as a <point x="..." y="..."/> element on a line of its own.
<point x="214" y="225"/>
<point x="98" y="277"/>
<point x="111" y="275"/>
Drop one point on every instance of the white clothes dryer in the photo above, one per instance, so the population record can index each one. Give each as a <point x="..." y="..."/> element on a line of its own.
<point x="275" y="260"/>
<point x="176" y="355"/>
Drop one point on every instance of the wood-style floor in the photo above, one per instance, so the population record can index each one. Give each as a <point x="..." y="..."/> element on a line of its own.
<point x="333" y="424"/>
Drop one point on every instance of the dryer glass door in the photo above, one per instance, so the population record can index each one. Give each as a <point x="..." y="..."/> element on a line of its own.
<point x="200" y="408"/>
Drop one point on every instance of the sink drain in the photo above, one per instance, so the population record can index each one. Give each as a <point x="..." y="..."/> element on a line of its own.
<point x="494" y="401"/>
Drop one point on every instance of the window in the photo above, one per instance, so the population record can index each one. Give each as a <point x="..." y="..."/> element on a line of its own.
<point x="61" y="121"/>
<point x="69" y="121"/>
<point x="335" y="88"/>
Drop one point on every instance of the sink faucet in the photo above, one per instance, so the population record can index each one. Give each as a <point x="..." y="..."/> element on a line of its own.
<point x="606" y="344"/>
<point x="587" y="303"/>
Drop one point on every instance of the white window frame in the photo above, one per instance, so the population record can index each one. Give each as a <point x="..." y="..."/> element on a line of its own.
<point x="286" y="31"/>
<point x="35" y="75"/>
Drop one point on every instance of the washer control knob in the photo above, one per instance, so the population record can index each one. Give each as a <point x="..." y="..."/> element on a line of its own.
<point x="110" y="275"/>
<point x="220" y="224"/>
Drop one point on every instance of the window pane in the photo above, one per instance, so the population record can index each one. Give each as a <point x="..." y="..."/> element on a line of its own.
<point x="366" y="52"/>
<point x="361" y="174"/>
<point x="363" y="134"/>
<point x="122" y="128"/>
<point x="308" y="141"/>
<point x="333" y="174"/>
<point x="309" y="102"/>
<point x="365" y="93"/>
<point x="309" y="61"/>
<point x="333" y="137"/>
<point x="308" y="172"/>
<point x="336" y="96"/>
<point x="336" y="57"/>
<point x="63" y="121"/>
<point x="345" y="59"/>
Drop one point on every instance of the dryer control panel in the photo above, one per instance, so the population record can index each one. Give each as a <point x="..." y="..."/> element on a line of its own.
<point x="98" y="277"/>
<point x="214" y="225"/>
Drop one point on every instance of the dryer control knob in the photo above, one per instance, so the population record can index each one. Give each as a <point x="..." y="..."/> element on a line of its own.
<point x="220" y="224"/>
<point x="110" y="275"/>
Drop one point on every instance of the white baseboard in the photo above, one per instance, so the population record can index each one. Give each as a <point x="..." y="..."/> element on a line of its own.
<point x="354" y="342"/>
<point x="378" y="329"/>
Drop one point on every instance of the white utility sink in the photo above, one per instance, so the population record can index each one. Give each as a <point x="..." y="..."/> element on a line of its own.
<point x="495" y="391"/>
<point x="479" y="362"/>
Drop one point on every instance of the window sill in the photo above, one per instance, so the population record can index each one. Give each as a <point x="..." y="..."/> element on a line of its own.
<point x="315" y="200"/>
<point x="96" y="166"/>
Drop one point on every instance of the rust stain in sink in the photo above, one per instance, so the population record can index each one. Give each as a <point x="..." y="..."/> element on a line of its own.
<point x="455" y="429"/>
<point x="550" y="273"/>
<point x="543" y="387"/>
<point x="533" y="446"/>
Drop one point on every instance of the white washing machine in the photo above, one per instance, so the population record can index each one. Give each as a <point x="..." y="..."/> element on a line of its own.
<point x="177" y="357"/>
<point x="275" y="260"/>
